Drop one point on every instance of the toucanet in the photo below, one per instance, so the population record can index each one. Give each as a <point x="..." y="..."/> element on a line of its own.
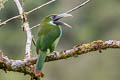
<point x="48" y="37"/>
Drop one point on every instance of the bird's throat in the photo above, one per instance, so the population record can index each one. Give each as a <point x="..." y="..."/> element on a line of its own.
<point x="52" y="23"/>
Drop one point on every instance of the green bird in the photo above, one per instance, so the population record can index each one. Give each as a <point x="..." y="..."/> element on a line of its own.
<point x="48" y="38"/>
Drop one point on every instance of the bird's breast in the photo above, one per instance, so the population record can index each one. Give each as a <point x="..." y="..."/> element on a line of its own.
<point x="60" y="30"/>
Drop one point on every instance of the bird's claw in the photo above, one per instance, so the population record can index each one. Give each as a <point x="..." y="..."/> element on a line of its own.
<point x="41" y="74"/>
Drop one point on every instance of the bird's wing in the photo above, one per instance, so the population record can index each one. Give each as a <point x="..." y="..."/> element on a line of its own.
<point x="53" y="46"/>
<point x="37" y="46"/>
<point x="46" y="40"/>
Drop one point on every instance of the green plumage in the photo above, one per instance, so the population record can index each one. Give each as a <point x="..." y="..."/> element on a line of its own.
<point x="48" y="37"/>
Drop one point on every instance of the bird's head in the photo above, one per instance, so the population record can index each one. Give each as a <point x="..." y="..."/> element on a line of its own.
<point x="53" y="19"/>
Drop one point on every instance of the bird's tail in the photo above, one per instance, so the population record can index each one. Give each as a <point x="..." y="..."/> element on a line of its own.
<point x="40" y="62"/>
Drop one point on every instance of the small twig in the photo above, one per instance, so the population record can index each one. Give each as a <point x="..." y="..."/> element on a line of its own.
<point x="8" y="20"/>
<point x="39" y="7"/>
<point x="77" y="7"/>
<point x="15" y="17"/>
<point x="69" y="11"/>
<point x="23" y="4"/>
<point x="33" y="40"/>
<point x="23" y="14"/>
<point x="35" y="26"/>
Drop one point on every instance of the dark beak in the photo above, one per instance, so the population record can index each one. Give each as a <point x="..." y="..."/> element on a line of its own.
<point x="59" y="16"/>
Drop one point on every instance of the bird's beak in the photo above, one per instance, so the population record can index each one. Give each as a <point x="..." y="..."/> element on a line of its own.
<point x="59" y="16"/>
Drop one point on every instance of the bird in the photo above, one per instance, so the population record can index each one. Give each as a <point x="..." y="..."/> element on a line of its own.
<point x="48" y="37"/>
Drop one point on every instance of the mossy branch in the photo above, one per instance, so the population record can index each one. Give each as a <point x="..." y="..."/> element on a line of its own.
<point x="26" y="65"/>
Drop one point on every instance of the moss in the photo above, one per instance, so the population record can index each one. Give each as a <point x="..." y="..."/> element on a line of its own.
<point x="86" y="45"/>
<point x="1" y="61"/>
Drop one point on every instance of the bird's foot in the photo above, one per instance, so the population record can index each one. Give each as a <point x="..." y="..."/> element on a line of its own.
<point x="38" y="73"/>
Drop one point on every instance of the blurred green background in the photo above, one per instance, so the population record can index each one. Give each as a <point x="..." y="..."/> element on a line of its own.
<point x="98" y="20"/>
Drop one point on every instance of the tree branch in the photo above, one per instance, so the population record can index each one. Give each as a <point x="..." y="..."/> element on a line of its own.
<point x="27" y="29"/>
<point x="35" y="26"/>
<point x="77" y="7"/>
<point x="24" y="66"/>
<point x="35" y="9"/>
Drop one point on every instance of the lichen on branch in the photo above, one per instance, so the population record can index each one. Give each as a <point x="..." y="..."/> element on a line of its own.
<point x="26" y="65"/>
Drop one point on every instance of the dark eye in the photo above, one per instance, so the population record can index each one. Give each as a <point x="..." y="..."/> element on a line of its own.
<point x="54" y="17"/>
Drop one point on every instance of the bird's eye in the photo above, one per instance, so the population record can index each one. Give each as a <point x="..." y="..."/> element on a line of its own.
<point x="54" y="17"/>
